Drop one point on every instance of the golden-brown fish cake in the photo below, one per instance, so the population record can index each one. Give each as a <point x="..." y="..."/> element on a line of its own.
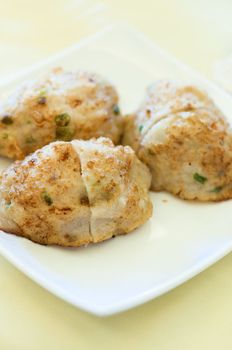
<point x="117" y="185"/>
<point x="75" y="193"/>
<point x="61" y="106"/>
<point x="185" y="141"/>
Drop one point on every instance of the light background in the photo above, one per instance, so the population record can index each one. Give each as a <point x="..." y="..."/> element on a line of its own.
<point x="196" y="315"/>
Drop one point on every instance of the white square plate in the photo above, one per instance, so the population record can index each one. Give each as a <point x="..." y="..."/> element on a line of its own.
<point x="180" y="240"/>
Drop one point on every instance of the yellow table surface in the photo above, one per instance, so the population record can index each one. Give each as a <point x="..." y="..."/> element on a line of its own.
<point x="196" y="315"/>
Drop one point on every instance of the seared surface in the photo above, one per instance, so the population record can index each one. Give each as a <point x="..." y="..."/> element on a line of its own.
<point x="74" y="193"/>
<point x="117" y="185"/>
<point x="60" y="106"/>
<point x="185" y="141"/>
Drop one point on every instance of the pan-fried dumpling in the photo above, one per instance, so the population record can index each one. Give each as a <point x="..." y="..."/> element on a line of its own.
<point x="75" y="193"/>
<point x="61" y="106"/>
<point x="185" y="141"/>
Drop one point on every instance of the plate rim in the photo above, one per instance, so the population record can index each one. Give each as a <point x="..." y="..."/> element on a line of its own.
<point x="119" y="307"/>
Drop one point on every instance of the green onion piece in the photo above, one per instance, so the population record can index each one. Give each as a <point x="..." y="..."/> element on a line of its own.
<point x="30" y="140"/>
<point x="7" y="119"/>
<point x="199" y="178"/>
<point x="47" y="199"/>
<point x="217" y="189"/>
<point x="140" y="128"/>
<point x="42" y="93"/>
<point x="62" y="119"/>
<point x="116" y="110"/>
<point x="64" y="133"/>
<point x="8" y="204"/>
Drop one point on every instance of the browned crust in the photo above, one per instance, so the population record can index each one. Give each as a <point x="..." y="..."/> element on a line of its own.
<point x="87" y="98"/>
<point x="183" y="134"/>
<point x="44" y="198"/>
